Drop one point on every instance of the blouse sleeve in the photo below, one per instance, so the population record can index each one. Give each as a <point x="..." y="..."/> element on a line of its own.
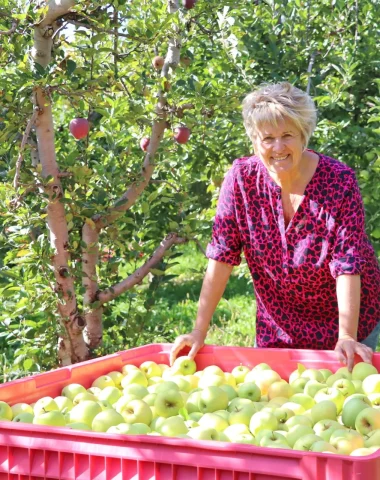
<point x="225" y="245"/>
<point x="350" y="237"/>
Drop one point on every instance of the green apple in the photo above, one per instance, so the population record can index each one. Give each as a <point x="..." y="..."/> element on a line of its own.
<point x="295" y="407"/>
<point x="323" y="447"/>
<point x="333" y="378"/>
<point x="193" y="380"/>
<point x="106" y="419"/>
<point x="231" y="392"/>
<point x="312" y="387"/>
<point x="246" y="438"/>
<point x="298" y="420"/>
<point x="192" y="402"/>
<point x="351" y="409"/>
<point x="345" y="386"/>
<point x="345" y="372"/>
<point x="346" y="440"/>
<point x="262" y="420"/>
<point x="371" y="384"/>
<point x="358" y="386"/>
<point x="124" y="400"/>
<point x="372" y="439"/>
<point x="374" y="398"/>
<point x="332" y="394"/>
<point x="249" y="390"/>
<point x="324" y="428"/>
<point x="212" y="420"/>
<point x="361" y="452"/>
<point x="184" y="365"/>
<point x="273" y="439"/>
<point x="203" y="433"/>
<point x="234" y="430"/>
<point x="110" y="394"/>
<point x="80" y="397"/>
<point x="173" y="426"/>
<point x="130" y="429"/>
<point x="305" y="442"/>
<point x="242" y="414"/>
<point x="190" y="423"/>
<point x="299" y="384"/>
<point x="222" y="413"/>
<point x="129" y="367"/>
<point x="363" y="370"/>
<point x="164" y="387"/>
<point x="154" y="380"/>
<point x="136" y="411"/>
<point x="229" y="379"/>
<point x="212" y="398"/>
<point x="117" y="377"/>
<point x="326" y="373"/>
<point x="53" y="418"/>
<point x="213" y="370"/>
<point x="211" y="379"/>
<point x="135" y="376"/>
<point x="78" y="426"/>
<point x="324" y="410"/>
<point x="94" y="390"/>
<point x="135" y="389"/>
<point x="296" y="373"/>
<point x="183" y="384"/>
<point x="196" y="416"/>
<point x="149" y="399"/>
<point x="72" y="389"/>
<point x="237" y="403"/>
<point x="64" y="403"/>
<point x="168" y="403"/>
<point x="263" y="379"/>
<point x="24" y="417"/>
<point x="277" y="401"/>
<point x="19" y="408"/>
<point x="239" y="372"/>
<point x="367" y="420"/>
<point x="296" y="432"/>
<point x="302" y="399"/>
<point x="84" y="412"/>
<point x="156" y="423"/>
<point x="43" y="405"/>
<point x="313" y="374"/>
<point x="261" y="366"/>
<point x="280" y="389"/>
<point x="151" y="369"/>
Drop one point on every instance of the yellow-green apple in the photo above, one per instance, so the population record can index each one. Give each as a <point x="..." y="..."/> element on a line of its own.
<point x="372" y="439"/>
<point x="296" y="373"/>
<point x="78" y="426"/>
<point x="212" y="398"/>
<point x="333" y="378"/>
<point x="173" y="426"/>
<point x="106" y="419"/>
<point x="323" y="410"/>
<point x="295" y="407"/>
<point x="262" y="420"/>
<point x="80" y="397"/>
<point x="249" y="390"/>
<point x="23" y="417"/>
<point x="190" y="423"/>
<point x="149" y="399"/>
<point x="242" y="414"/>
<point x="193" y="380"/>
<point x="229" y="379"/>
<point x="136" y="411"/>
<point x="124" y="400"/>
<point x="212" y="420"/>
<point x="130" y="429"/>
<point x="110" y="394"/>
<point x="182" y="383"/>
<point x="156" y="423"/>
<point x="263" y="379"/>
<point x="282" y="415"/>
<point x="239" y="372"/>
<point x="363" y="370"/>
<point x="361" y="452"/>
<point x="261" y="366"/>
<point x="150" y="369"/>
<point x="135" y="376"/>
<point x="203" y="433"/>
<point x="128" y="368"/>
<point x="231" y="392"/>
<point x="53" y="418"/>
<point x="43" y="405"/>
<point x="345" y="372"/>
<point x="332" y="394"/>
<point x="64" y="403"/>
<point x="367" y="420"/>
<point x="298" y="420"/>
<point x="296" y="432"/>
<point x="222" y="413"/>
<point x="165" y="386"/>
<point x="326" y="373"/>
<point x="305" y="442"/>
<point x="20" y="408"/>
<point x="209" y="379"/>
<point x="154" y="380"/>
<point x="313" y="374"/>
<point x="214" y="370"/>
<point x="345" y="386"/>
<point x="84" y="412"/>
<point x="299" y="384"/>
<point x="72" y="389"/>
<point x="351" y="409"/>
<point x="323" y="447"/>
<point x="371" y="384"/>
<point x="116" y="376"/>
<point x="168" y="403"/>
<point x="233" y="430"/>
<point x="273" y="439"/>
<point x="195" y="416"/>
<point x="184" y="365"/>
<point x="358" y="386"/>
<point x="346" y="441"/>
<point x="374" y="398"/>
<point x="246" y="438"/>
<point x="163" y="367"/>
<point x="135" y="389"/>
<point x="237" y="403"/>
<point x="94" y="390"/>
<point x="312" y="387"/>
<point x="280" y="389"/>
<point x="192" y="402"/>
<point x="305" y="400"/>
<point x="324" y="428"/>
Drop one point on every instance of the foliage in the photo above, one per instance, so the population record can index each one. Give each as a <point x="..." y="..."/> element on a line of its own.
<point x="232" y="47"/>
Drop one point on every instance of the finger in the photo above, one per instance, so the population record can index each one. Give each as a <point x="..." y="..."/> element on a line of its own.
<point x="179" y="343"/>
<point x="193" y="351"/>
<point x="340" y="354"/>
<point x="350" y="359"/>
<point x="366" y="353"/>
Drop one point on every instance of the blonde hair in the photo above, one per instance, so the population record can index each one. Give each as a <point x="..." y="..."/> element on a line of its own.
<point x="280" y="101"/>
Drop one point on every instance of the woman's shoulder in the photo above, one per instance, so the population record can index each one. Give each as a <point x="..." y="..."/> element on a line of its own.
<point x="334" y="168"/>
<point x="245" y="165"/>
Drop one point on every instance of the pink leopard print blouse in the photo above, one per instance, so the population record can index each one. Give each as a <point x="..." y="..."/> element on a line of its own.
<point x="294" y="269"/>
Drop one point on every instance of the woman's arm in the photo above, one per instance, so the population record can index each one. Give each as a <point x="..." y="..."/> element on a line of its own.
<point x="348" y="296"/>
<point x="214" y="284"/>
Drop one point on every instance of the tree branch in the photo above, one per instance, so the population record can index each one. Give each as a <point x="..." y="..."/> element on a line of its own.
<point x="11" y="30"/>
<point x="116" y="290"/>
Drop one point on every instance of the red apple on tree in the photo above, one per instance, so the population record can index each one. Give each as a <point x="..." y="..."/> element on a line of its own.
<point x="189" y="3"/>
<point x="181" y="134"/>
<point x="79" y="128"/>
<point x="158" y="62"/>
<point x="144" y="143"/>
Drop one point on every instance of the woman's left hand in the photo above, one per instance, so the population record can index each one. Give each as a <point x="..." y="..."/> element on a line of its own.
<point x="346" y="348"/>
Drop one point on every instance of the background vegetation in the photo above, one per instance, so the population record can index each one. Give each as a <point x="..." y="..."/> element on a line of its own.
<point x="102" y="70"/>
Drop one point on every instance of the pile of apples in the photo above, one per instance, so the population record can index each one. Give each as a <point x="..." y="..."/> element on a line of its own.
<point x="315" y="410"/>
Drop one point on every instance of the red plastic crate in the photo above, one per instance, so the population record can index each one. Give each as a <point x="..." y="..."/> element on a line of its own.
<point x="33" y="452"/>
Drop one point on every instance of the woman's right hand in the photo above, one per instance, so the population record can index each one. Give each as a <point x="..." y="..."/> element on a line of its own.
<point x="194" y="340"/>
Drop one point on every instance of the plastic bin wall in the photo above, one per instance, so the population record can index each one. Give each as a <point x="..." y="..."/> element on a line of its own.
<point x="33" y="452"/>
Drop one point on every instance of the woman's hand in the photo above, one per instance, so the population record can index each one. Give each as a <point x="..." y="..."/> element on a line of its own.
<point x="346" y="347"/>
<point x="194" y="340"/>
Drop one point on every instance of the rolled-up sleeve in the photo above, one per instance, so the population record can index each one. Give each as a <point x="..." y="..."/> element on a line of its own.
<point x="225" y="245"/>
<point x="347" y="258"/>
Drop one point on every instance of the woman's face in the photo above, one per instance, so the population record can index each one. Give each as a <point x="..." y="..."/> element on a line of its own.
<point x="280" y="147"/>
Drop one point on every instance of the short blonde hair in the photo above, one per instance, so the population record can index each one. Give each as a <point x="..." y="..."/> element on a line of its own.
<point x="279" y="101"/>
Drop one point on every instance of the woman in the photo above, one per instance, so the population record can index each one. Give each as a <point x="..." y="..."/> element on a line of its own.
<point x="298" y="216"/>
